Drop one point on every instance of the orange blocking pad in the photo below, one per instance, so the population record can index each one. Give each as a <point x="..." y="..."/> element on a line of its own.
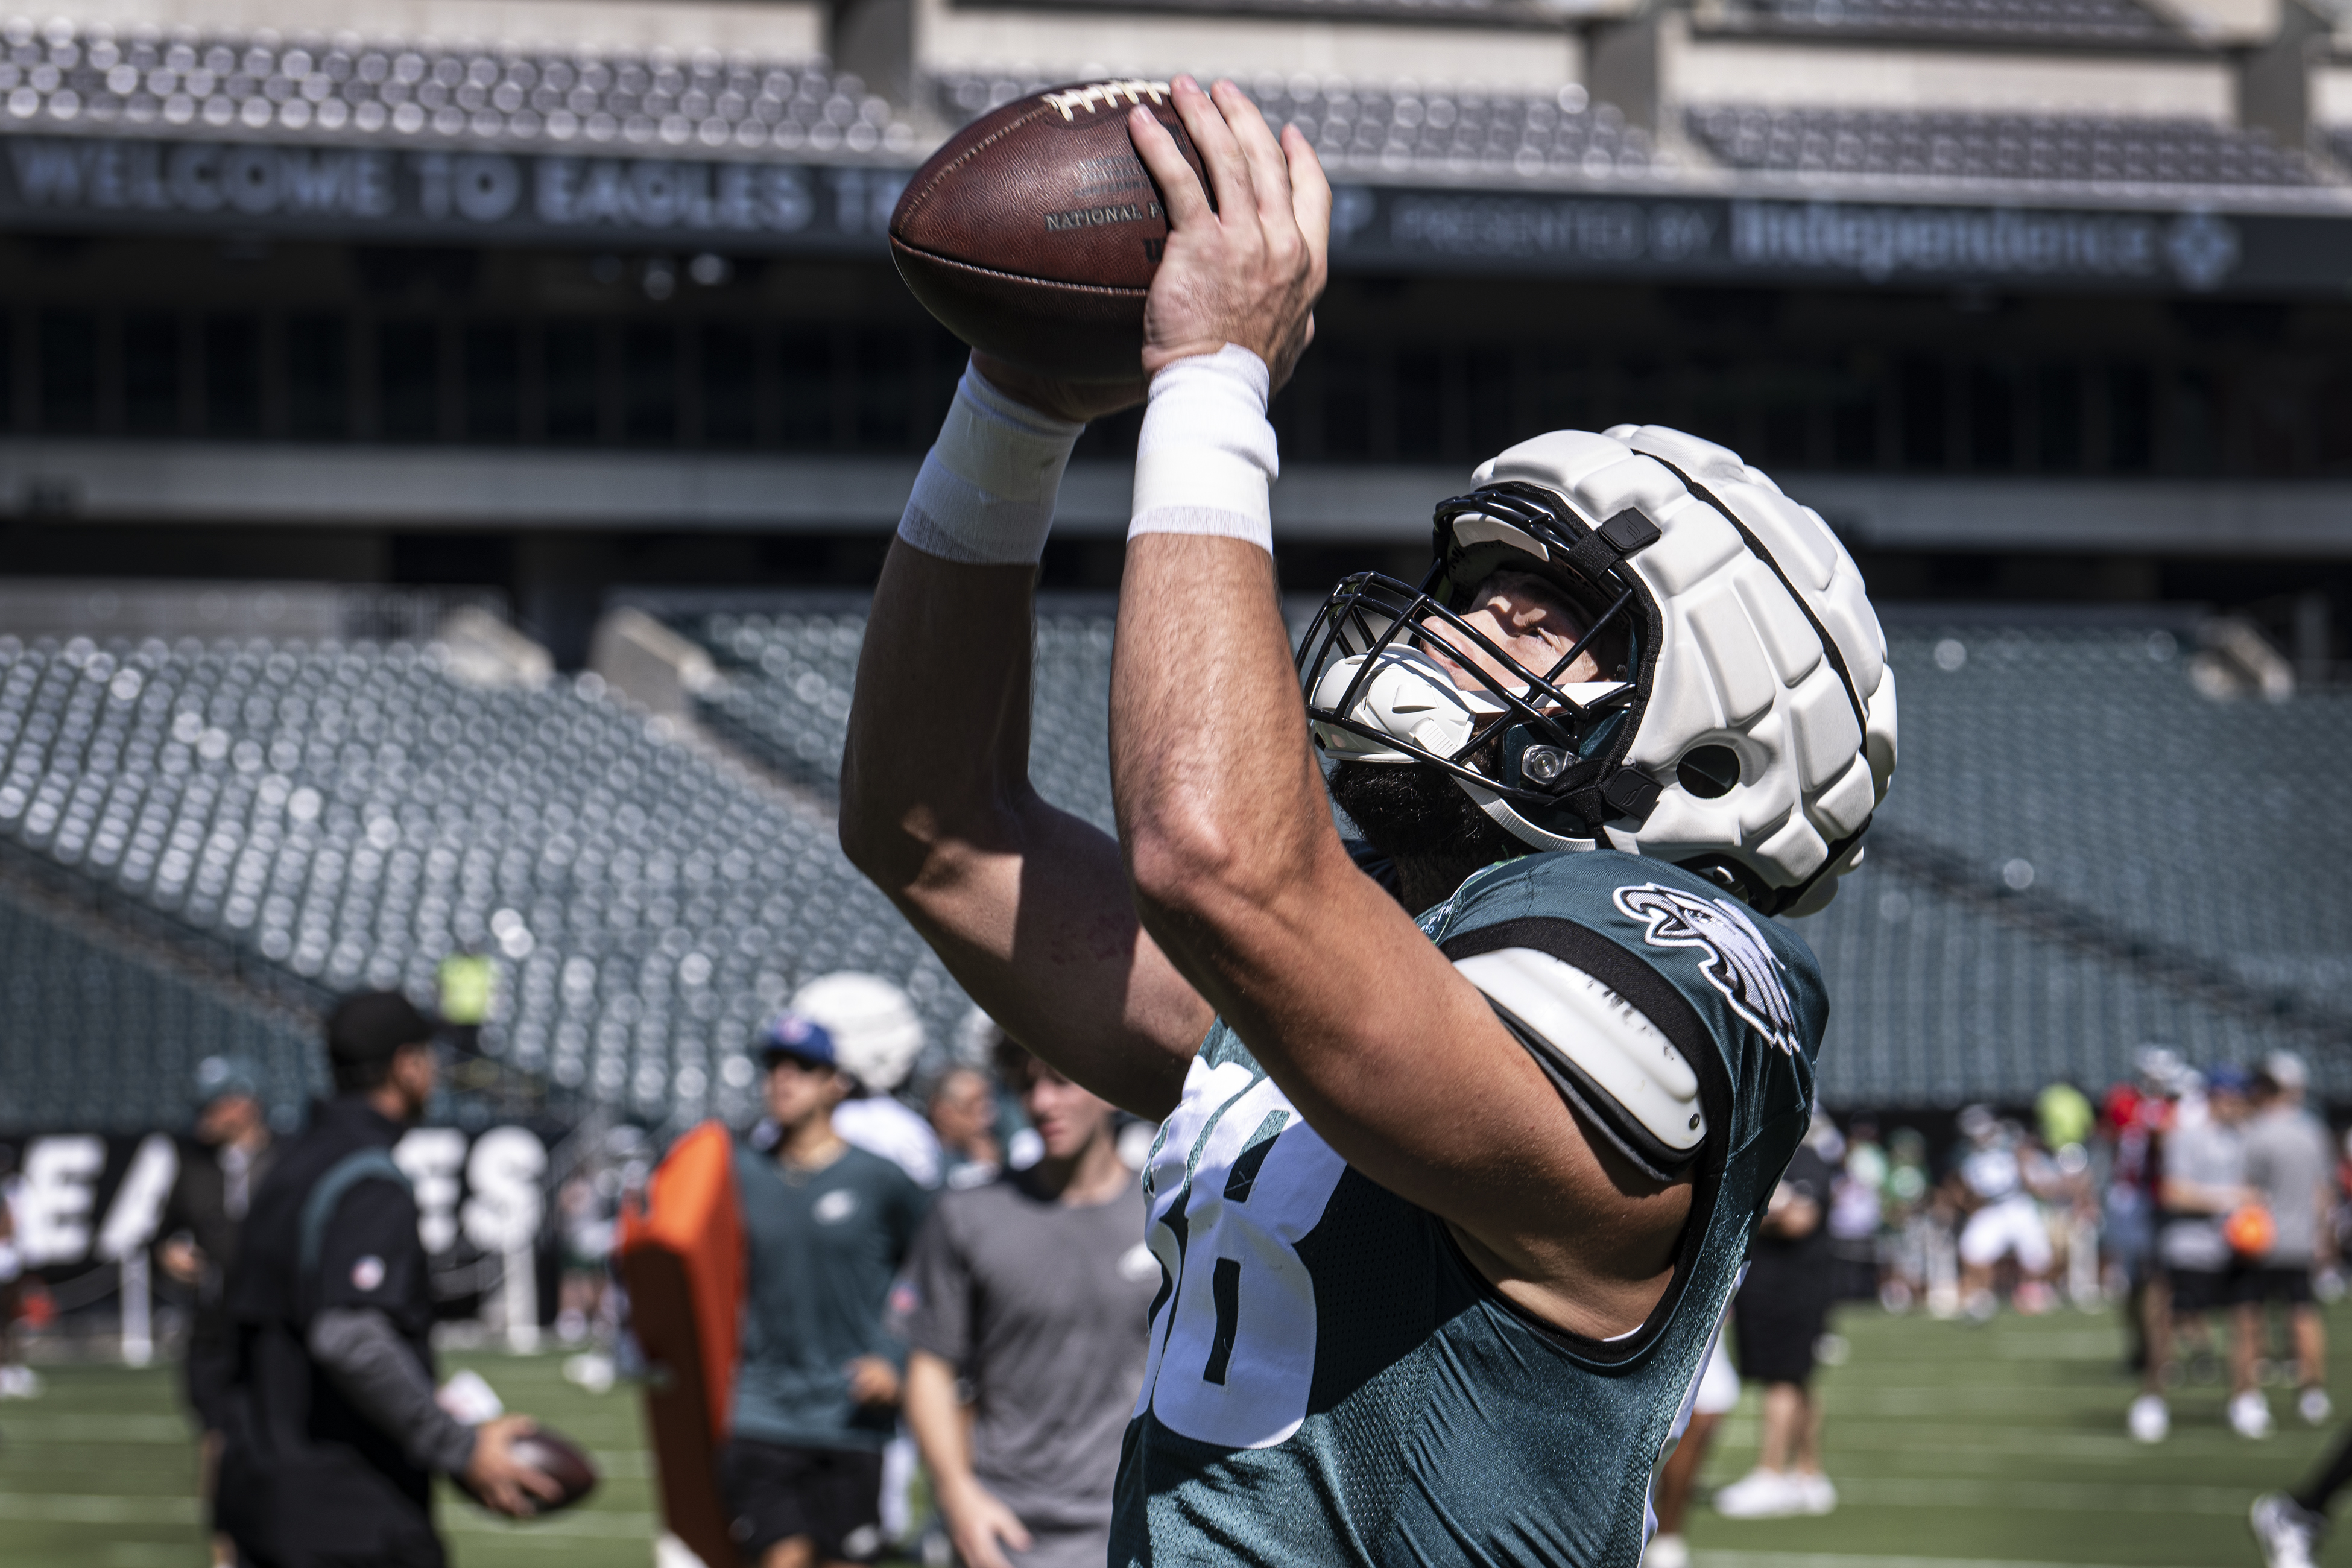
<point x="682" y="1262"/>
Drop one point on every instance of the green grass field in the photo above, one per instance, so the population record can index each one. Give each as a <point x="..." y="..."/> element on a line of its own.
<point x="1952" y="1445"/>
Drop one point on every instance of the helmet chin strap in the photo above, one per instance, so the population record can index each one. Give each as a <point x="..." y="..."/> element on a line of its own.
<point x="1507" y="817"/>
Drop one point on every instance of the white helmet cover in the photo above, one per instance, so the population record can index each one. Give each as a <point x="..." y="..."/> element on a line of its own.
<point x="1750" y="731"/>
<point x="877" y="1033"/>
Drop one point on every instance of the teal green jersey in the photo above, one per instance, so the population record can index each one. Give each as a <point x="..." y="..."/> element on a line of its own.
<point x="821" y="1249"/>
<point x="1330" y="1381"/>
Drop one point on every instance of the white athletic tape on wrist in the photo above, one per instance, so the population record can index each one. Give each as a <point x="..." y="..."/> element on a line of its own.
<point x="985" y="495"/>
<point x="1207" y="456"/>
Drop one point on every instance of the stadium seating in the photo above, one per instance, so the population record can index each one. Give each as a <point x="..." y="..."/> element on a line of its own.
<point x="2133" y="862"/>
<point x="2113" y="818"/>
<point x="2081" y="853"/>
<point x="1972" y="21"/>
<point x="1396" y="127"/>
<point x="2043" y="149"/>
<point x="100" y="1038"/>
<point x="342" y="85"/>
<point x="351" y="812"/>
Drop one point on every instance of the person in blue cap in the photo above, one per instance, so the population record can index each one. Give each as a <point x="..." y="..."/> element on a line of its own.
<point x="202" y="1218"/>
<point x="817" y="1379"/>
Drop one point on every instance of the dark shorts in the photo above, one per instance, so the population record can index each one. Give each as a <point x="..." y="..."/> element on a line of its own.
<point x="2289" y="1284"/>
<point x="2196" y="1290"/>
<point x="211" y="1364"/>
<point x="774" y="1493"/>
<point x="1774" y="1332"/>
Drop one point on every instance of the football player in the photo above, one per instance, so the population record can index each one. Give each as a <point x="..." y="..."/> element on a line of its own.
<point x="1458" y="1160"/>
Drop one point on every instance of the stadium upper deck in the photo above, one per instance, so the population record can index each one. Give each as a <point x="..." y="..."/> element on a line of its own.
<point x="620" y="267"/>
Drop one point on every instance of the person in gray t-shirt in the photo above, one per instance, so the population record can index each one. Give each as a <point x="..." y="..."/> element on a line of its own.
<point x="1034" y="1292"/>
<point x="2289" y="1160"/>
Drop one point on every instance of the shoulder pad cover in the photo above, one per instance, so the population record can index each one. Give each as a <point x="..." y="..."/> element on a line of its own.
<point x="1631" y="1077"/>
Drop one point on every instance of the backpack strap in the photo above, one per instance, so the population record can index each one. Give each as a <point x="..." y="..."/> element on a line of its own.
<point x="361" y="1165"/>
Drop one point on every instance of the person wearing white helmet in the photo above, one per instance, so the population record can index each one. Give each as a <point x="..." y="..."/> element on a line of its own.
<point x="1458" y="1163"/>
<point x="875" y="1027"/>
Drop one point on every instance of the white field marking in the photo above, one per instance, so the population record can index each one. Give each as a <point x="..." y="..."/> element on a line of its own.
<point x="2063" y="1497"/>
<point x="64" y="1428"/>
<point x="1096" y="95"/>
<point x="83" y="1508"/>
<point x="584" y="1521"/>
<point x="1836" y="1560"/>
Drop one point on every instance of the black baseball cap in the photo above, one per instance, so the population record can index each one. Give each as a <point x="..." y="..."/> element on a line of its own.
<point x="369" y="1025"/>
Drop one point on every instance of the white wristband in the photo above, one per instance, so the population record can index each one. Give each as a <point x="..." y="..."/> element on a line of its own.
<point x="985" y="495"/>
<point x="1206" y="456"/>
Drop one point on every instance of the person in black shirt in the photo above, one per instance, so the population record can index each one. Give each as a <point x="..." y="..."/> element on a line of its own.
<point x="201" y="1221"/>
<point x="333" y="1434"/>
<point x="1779" y="1315"/>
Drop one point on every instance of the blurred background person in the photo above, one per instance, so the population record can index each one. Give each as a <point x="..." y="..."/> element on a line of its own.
<point x="874" y="1024"/>
<point x="334" y="1432"/>
<point x="1990" y="1185"/>
<point x="1717" y="1397"/>
<point x="963" y="1110"/>
<point x="818" y="1377"/>
<point x="1903" y="1277"/>
<point x="1032" y="1292"/>
<point x="2132" y="1120"/>
<point x="200" y="1221"/>
<point x="2203" y="1160"/>
<point x="18" y="1381"/>
<point x="2288" y="1159"/>
<point x="1857" y="1213"/>
<point x="1779" y="1315"/>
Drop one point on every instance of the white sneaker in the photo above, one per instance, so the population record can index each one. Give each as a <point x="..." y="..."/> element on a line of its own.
<point x="1666" y="1551"/>
<point x="1818" y="1496"/>
<point x="2151" y="1420"/>
<point x="1761" y="1494"/>
<point x="2288" y="1533"/>
<point x="2250" y="1416"/>
<point x="2314" y="1405"/>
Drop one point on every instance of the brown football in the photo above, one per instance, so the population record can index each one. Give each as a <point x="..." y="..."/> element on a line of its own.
<point x="553" y="1455"/>
<point x="1034" y="232"/>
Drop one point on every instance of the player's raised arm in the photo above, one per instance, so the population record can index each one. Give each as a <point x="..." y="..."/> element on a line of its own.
<point x="1224" y="814"/>
<point x="1508" y="721"/>
<point x="1027" y="904"/>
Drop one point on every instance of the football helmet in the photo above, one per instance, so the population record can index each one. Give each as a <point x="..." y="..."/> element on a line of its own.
<point x="877" y="1033"/>
<point x="1745" y="728"/>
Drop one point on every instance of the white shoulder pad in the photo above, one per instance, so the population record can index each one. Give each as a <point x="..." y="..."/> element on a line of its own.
<point x="1607" y="1038"/>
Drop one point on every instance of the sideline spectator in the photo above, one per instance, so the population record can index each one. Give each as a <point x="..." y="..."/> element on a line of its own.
<point x="1034" y="1291"/>
<point x="200" y="1224"/>
<point x="1717" y="1395"/>
<point x="1991" y="1185"/>
<point x="817" y="1380"/>
<point x="1780" y="1313"/>
<point x="962" y="1109"/>
<point x="2204" y="1178"/>
<point x="333" y="1432"/>
<point x="875" y="1027"/>
<point x="2133" y="1120"/>
<point x="1908" y="1223"/>
<point x="18" y="1381"/>
<point x="1857" y="1211"/>
<point x="2287" y="1159"/>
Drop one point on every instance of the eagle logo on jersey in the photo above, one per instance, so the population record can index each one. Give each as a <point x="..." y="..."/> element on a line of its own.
<point x="1739" y="962"/>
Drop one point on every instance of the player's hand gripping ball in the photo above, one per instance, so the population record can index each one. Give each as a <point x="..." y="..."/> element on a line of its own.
<point x="1034" y="233"/>
<point x="553" y="1455"/>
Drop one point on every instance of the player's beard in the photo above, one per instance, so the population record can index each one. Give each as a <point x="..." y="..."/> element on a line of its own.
<point x="1418" y="816"/>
